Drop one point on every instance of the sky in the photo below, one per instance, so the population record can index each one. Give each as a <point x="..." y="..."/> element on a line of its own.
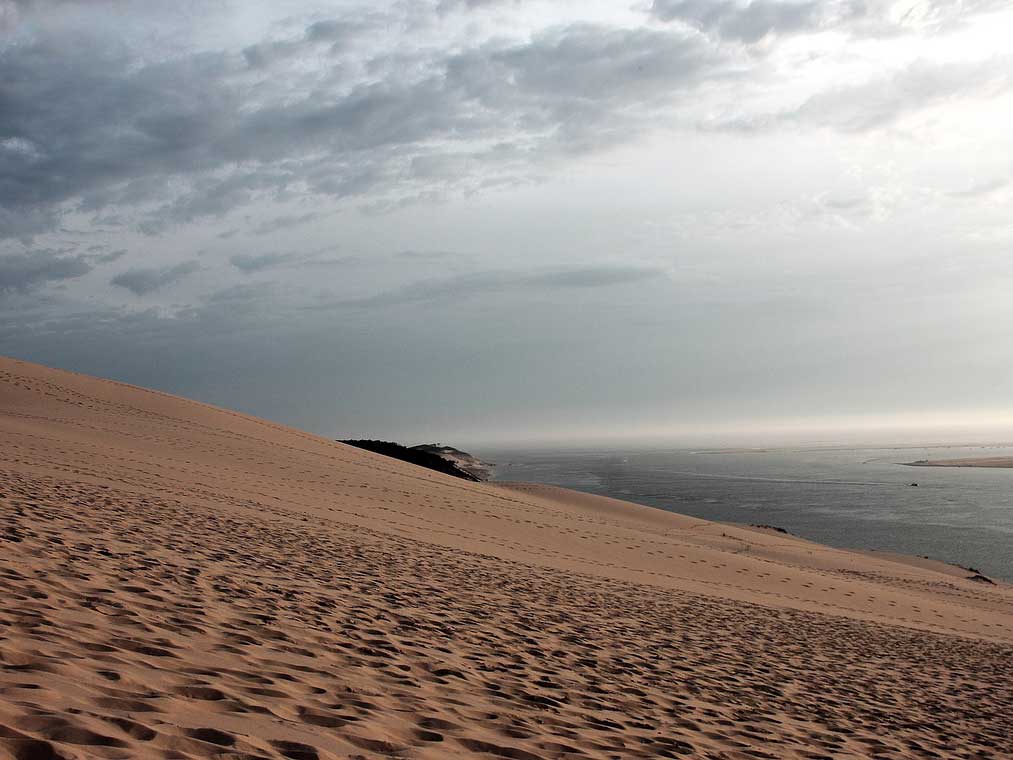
<point x="495" y="221"/>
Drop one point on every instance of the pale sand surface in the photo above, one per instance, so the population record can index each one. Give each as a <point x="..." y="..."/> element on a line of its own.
<point x="179" y="581"/>
<point x="1002" y="462"/>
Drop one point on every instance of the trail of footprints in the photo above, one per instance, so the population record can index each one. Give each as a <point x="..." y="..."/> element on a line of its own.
<point x="307" y="485"/>
<point x="27" y="449"/>
<point x="140" y="626"/>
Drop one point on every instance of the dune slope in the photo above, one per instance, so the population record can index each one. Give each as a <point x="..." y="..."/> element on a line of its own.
<point x="180" y="581"/>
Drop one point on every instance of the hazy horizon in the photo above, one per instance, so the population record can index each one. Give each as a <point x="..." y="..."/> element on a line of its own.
<point x="757" y="438"/>
<point x="515" y="221"/>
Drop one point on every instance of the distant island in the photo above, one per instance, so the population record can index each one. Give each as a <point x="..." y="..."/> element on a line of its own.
<point x="434" y="456"/>
<point x="994" y="462"/>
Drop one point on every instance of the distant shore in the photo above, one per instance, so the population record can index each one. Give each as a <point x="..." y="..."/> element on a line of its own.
<point x="993" y="462"/>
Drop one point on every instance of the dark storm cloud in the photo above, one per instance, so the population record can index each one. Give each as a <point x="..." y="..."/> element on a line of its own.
<point x="87" y="124"/>
<point x="22" y="272"/>
<point x="465" y="286"/>
<point x="143" y="281"/>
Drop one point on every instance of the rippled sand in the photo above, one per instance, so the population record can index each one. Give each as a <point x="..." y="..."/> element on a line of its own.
<point x="179" y="581"/>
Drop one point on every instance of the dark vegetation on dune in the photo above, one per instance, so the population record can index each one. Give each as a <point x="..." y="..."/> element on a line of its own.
<point x="413" y="456"/>
<point x="462" y="459"/>
<point x="770" y="527"/>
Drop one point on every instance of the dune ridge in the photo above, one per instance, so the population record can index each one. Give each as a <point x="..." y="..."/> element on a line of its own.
<point x="181" y="581"/>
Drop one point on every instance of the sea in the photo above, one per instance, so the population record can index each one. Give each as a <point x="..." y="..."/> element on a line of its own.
<point x="849" y="497"/>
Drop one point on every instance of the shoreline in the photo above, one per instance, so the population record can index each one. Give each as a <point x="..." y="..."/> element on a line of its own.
<point x="935" y="564"/>
<point x="913" y="518"/>
<point x="992" y="463"/>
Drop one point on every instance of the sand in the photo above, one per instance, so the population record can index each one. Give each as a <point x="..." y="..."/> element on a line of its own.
<point x="1002" y="462"/>
<point x="180" y="581"/>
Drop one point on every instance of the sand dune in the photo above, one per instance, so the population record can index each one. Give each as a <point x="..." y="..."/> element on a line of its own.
<point x="180" y="581"/>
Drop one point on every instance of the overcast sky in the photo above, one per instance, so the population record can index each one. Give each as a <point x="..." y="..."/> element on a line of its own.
<point x="512" y="220"/>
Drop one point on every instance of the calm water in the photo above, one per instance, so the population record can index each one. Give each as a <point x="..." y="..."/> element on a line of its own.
<point x="856" y="498"/>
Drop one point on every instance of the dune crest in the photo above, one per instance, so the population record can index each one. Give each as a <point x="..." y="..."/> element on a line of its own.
<point x="181" y="581"/>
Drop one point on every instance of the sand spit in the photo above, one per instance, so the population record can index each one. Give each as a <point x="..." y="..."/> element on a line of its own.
<point x="1000" y="462"/>
<point x="179" y="581"/>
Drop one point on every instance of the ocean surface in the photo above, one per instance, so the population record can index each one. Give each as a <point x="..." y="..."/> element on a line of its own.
<point x="860" y="498"/>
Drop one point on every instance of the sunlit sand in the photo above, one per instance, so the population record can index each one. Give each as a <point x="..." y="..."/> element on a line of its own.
<point x="180" y="581"/>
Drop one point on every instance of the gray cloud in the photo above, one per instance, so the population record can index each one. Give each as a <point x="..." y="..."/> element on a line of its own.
<point x="143" y="281"/>
<point x="108" y="258"/>
<point x="25" y="223"/>
<point x="14" y="11"/>
<point x="336" y="34"/>
<point x="285" y="222"/>
<point x="234" y="306"/>
<point x="448" y="6"/>
<point x="22" y="272"/>
<point x="197" y="137"/>
<point x="426" y="255"/>
<point x="589" y="63"/>
<point x="749" y="21"/>
<point x="65" y="96"/>
<point x="193" y="141"/>
<point x="250" y="263"/>
<point x="478" y="283"/>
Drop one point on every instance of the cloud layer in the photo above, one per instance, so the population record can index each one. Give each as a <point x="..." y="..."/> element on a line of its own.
<point x="459" y="213"/>
<point x="91" y="125"/>
<point x="22" y="272"/>
<point x="140" y="282"/>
